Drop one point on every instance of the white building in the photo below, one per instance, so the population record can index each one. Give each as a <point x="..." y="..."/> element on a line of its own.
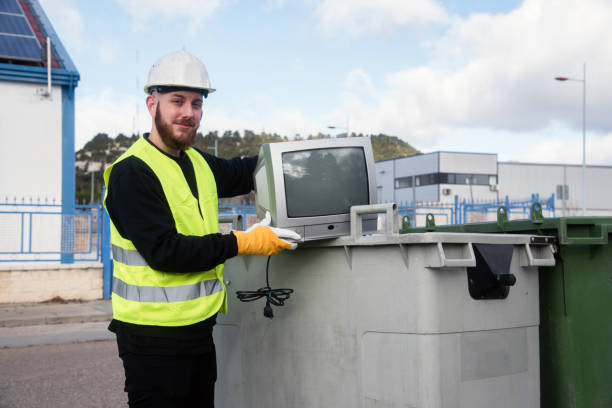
<point x="37" y="84"/>
<point x="437" y="177"/>
<point x="475" y="177"/>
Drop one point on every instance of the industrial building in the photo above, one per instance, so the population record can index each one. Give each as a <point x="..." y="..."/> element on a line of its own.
<point x="478" y="177"/>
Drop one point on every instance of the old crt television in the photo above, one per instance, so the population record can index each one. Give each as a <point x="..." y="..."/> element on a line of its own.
<point x="309" y="186"/>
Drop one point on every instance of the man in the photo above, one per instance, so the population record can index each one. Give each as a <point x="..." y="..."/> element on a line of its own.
<point x="167" y="250"/>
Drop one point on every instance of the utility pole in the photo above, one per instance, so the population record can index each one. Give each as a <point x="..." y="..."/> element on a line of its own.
<point x="216" y="147"/>
<point x="91" y="197"/>
<point x="583" y="80"/>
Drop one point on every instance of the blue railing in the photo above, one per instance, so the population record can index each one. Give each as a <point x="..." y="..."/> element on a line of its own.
<point x="38" y="231"/>
<point x="458" y="212"/>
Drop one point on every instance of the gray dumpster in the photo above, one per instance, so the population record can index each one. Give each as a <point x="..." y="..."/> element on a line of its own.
<point x="416" y="320"/>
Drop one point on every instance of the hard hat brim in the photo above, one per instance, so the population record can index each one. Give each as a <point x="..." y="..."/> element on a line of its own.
<point x="174" y="88"/>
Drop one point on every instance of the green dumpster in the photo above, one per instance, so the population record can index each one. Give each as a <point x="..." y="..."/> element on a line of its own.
<point x="575" y="305"/>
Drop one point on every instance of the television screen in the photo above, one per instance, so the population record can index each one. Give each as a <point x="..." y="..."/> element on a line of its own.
<point x="324" y="181"/>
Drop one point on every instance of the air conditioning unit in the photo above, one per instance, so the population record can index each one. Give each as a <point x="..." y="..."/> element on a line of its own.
<point x="446" y="191"/>
<point x="494" y="187"/>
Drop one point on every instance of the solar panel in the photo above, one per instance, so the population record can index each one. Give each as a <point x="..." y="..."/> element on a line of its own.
<point x="17" y="39"/>
<point x="10" y="6"/>
<point x="10" y="24"/>
<point x="23" y="48"/>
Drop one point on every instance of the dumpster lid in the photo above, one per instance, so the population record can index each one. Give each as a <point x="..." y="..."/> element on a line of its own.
<point x="430" y="238"/>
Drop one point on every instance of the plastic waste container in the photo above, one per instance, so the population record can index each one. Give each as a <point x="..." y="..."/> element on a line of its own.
<point x="575" y="305"/>
<point x="416" y="320"/>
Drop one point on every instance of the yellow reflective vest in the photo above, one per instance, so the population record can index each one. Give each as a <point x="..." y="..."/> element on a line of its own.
<point x="143" y="295"/>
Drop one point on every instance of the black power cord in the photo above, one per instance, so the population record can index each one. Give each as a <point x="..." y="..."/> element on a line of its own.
<point x="276" y="297"/>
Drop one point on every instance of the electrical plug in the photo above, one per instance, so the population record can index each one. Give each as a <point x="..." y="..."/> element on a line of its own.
<point x="268" y="309"/>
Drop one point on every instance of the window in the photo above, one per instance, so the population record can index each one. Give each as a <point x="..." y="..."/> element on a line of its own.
<point x="403" y="182"/>
<point x="480" y="179"/>
<point x="446" y="178"/>
<point x="473" y="179"/>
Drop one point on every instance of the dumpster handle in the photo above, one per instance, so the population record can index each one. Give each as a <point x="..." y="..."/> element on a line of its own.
<point x="440" y="260"/>
<point x="391" y="220"/>
<point x="531" y="260"/>
<point x="566" y="229"/>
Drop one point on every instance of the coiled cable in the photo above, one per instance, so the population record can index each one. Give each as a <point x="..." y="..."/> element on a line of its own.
<point x="276" y="297"/>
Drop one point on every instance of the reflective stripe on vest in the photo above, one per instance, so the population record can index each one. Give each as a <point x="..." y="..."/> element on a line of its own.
<point x="166" y="294"/>
<point x="129" y="257"/>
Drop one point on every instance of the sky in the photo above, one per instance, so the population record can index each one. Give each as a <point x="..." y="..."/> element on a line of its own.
<point x="442" y="75"/>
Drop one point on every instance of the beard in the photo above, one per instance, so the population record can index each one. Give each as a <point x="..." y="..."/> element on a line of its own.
<point x="164" y="128"/>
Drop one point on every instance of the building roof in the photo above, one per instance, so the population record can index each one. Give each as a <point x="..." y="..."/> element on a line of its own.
<point x="434" y="153"/>
<point x="28" y="69"/>
<point x="590" y="166"/>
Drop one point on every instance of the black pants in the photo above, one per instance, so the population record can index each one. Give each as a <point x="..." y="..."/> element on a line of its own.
<point x="165" y="380"/>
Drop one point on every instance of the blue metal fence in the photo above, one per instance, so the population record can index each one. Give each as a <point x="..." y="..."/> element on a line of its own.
<point x="459" y="211"/>
<point x="40" y="231"/>
<point x="34" y="231"/>
<point x="456" y="212"/>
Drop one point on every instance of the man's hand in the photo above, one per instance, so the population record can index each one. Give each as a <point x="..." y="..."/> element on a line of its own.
<point x="260" y="239"/>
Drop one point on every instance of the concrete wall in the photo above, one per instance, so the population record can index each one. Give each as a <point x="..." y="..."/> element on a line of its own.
<point x="422" y="194"/>
<point x="21" y="283"/>
<point x="415" y="165"/>
<point x="467" y="192"/>
<point x="31" y="140"/>
<point x="30" y="167"/>
<point x="517" y="180"/>
<point x="474" y="163"/>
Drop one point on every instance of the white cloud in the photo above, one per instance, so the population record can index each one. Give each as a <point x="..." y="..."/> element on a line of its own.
<point x="67" y="22"/>
<point x="598" y="150"/>
<point x="145" y="10"/>
<point x="359" y="16"/>
<point x="496" y="72"/>
<point x="110" y="113"/>
<point x="285" y="122"/>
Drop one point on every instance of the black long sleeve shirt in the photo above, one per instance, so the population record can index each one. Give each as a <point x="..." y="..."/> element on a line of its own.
<point x="139" y="210"/>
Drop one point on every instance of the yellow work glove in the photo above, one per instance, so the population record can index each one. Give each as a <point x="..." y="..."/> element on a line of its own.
<point x="260" y="240"/>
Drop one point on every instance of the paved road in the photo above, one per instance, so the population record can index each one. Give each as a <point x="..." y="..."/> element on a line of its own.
<point x="62" y="375"/>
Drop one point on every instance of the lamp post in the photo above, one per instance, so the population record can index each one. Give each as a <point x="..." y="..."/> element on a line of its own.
<point x="348" y="134"/>
<point x="216" y="147"/>
<point x="583" y="80"/>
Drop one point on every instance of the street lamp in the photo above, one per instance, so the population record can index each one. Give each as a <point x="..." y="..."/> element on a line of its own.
<point x="216" y="147"/>
<point x="348" y="134"/>
<point x="583" y="80"/>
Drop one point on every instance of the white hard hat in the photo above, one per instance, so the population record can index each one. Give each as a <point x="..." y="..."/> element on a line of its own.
<point x="179" y="70"/>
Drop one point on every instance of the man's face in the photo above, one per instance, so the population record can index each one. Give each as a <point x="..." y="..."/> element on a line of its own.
<point x="177" y="118"/>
